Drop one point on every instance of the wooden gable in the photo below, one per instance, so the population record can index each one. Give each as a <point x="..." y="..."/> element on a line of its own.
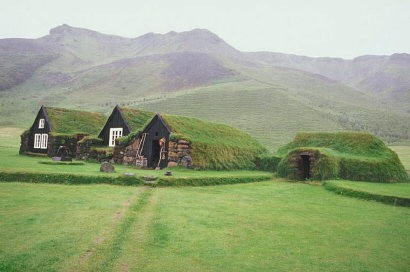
<point x="115" y="121"/>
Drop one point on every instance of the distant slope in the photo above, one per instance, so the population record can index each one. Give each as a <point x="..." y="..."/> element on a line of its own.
<point x="386" y="77"/>
<point x="196" y="73"/>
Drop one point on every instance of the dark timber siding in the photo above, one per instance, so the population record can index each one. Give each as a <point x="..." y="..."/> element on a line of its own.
<point x="34" y="130"/>
<point x="156" y="130"/>
<point x="116" y="120"/>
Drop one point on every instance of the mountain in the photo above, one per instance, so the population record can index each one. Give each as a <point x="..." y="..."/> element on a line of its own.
<point x="387" y="77"/>
<point x="196" y="73"/>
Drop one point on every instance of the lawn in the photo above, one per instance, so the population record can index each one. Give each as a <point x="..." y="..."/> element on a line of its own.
<point x="266" y="226"/>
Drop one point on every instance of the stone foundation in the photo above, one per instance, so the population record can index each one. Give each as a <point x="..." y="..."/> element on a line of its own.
<point x="179" y="153"/>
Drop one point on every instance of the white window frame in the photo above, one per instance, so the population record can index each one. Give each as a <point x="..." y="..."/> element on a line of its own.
<point x="40" y="141"/>
<point x="41" y="123"/>
<point x="44" y="140"/>
<point x="114" y="134"/>
<point x="37" y="140"/>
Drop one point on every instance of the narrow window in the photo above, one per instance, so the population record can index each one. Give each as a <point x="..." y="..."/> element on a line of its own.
<point x="114" y="134"/>
<point x="37" y="140"/>
<point x="41" y="123"/>
<point x="44" y="140"/>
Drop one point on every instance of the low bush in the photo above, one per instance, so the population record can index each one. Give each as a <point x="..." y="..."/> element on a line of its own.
<point x="392" y="200"/>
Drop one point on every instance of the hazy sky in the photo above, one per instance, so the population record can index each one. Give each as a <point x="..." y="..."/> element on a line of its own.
<point x="345" y="28"/>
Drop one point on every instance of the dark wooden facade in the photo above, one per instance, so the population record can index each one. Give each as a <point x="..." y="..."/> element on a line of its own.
<point x="115" y="120"/>
<point x="156" y="130"/>
<point x="36" y="129"/>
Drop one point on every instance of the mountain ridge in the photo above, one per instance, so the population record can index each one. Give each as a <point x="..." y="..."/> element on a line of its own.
<point x="167" y="72"/>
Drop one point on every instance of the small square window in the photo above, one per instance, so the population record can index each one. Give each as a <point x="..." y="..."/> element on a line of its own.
<point x="41" y="123"/>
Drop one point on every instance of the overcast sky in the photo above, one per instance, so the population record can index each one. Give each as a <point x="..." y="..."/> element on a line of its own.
<point x="346" y="28"/>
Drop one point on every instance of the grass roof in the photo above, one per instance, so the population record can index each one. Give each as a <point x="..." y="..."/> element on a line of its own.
<point x="137" y="119"/>
<point x="347" y="143"/>
<point x="215" y="146"/>
<point x="67" y="121"/>
<point x="348" y="155"/>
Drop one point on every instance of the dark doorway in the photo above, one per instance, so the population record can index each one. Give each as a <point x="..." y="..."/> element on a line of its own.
<point x="305" y="166"/>
<point x="155" y="153"/>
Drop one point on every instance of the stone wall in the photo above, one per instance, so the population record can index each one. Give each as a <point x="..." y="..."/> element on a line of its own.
<point x="297" y="163"/>
<point x="179" y="153"/>
<point x="125" y="154"/>
<point x="93" y="149"/>
<point x="54" y="143"/>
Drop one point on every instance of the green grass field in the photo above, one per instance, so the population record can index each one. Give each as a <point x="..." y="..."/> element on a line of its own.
<point x="267" y="226"/>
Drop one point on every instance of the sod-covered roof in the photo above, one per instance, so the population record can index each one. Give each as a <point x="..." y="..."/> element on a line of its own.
<point x="215" y="146"/>
<point x="348" y="143"/>
<point x="351" y="155"/>
<point x="136" y="119"/>
<point x="66" y="121"/>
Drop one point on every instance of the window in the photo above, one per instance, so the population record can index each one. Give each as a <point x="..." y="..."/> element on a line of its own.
<point x="40" y="141"/>
<point x="44" y="139"/>
<point x="41" y="123"/>
<point x="114" y="134"/>
<point x="37" y="140"/>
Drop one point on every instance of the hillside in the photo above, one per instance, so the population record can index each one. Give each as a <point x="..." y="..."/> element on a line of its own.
<point x="196" y="73"/>
<point x="386" y="77"/>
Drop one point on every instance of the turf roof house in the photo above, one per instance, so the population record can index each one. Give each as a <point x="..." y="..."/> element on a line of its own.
<point x="55" y="127"/>
<point x="346" y="155"/>
<point x="121" y="122"/>
<point x="170" y="140"/>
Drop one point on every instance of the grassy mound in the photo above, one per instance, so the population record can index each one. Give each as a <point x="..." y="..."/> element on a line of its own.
<point x="347" y="155"/>
<point x="66" y="121"/>
<point x="215" y="146"/>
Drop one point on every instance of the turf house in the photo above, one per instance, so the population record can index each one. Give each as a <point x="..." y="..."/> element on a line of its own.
<point x="170" y="140"/>
<point x="346" y="155"/>
<point x="56" y="129"/>
<point x="121" y="122"/>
